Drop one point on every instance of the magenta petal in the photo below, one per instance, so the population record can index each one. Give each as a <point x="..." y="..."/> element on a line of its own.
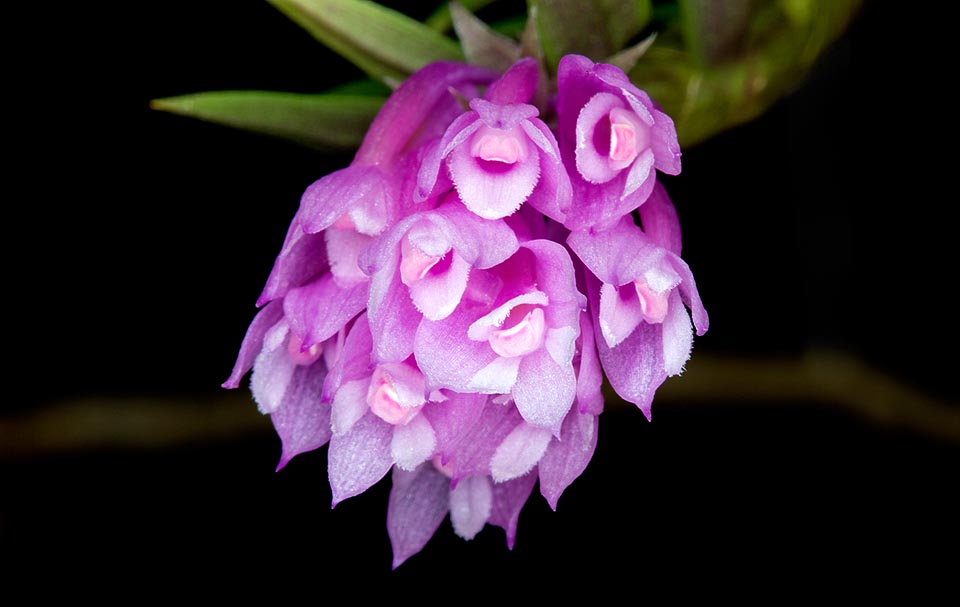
<point x="413" y="443"/>
<point x="567" y="458"/>
<point x="690" y="295"/>
<point x="273" y="369"/>
<point x="517" y="85"/>
<point x="618" y="255"/>
<point x="353" y="361"/>
<point x="349" y="405"/>
<point x="436" y="295"/>
<point x="366" y="194"/>
<point x="544" y="390"/>
<point x="444" y="354"/>
<point x="419" y="502"/>
<point x="472" y="456"/>
<point x="519" y="452"/>
<point x="665" y="146"/>
<point x="593" y="165"/>
<point x="660" y="221"/>
<point x="253" y="342"/>
<point x="589" y="372"/>
<point x="620" y="313"/>
<point x="302" y="258"/>
<point x="482" y="243"/>
<point x="359" y="458"/>
<point x="453" y="418"/>
<point x="320" y="309"/>
<point x="640" y="179"/>
<point x="635" y="367"/>
<point x="492" y="194"/>
<point x="553" y="194"/>
<point x="508" y="500"/>
<point x="302" y="421"/>
<point x="343" y="250"/>
<point x="470" y="504"/>
<point x="459" y="130"/>
<point x="677" y="336"/>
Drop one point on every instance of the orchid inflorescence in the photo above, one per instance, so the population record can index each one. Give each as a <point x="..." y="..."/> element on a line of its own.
<point x="446" y="306"/>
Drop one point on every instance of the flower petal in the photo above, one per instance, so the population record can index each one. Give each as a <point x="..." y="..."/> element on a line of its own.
<point x="444" y="354"/>
<point x="508" y="499"/>
<point x="436" y="295"/>
<point x="492" y="192"/>
<point x="253" y="342"/>
<point x="593" y="163"/>
<point x="517" y="85"/>
<point x="666" y="148"/>
<point x="302" y="421"/>
<point x="343" y="250"/>
<point x="544" y="390"/>
<point x="498" y="377"/>
<point x="302" y="258"/>
<point x="677" y="336"/>
<point x="413" y="443"/>
<point x="620" y="313"/>
<point x="272" y="369"/>
<point x="472" y="456"/>
<point x="589" y="372"/>
<point x="359" y="458"/>
<point x="640" y="180"/>
<point x="419" y="501"/>
<point x="320" y="309"/>
<point x="470" y="505"/>
<point x="567" y="458"/>
<point x="349" y="405"/>
<point x="519" y="452"/>
<point x="453" y="418"/>
<point x="635" y="367"/>
<point x="660" y="221"/>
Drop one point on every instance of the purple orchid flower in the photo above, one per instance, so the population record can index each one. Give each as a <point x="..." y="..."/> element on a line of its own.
<point x="500" y="155"/>
<point x="519" y="341"/>
<point x="638" y="288"/>
<point x="421" y="269"/>
<point x="286" y="380"/>
<point x="612" y="137"/>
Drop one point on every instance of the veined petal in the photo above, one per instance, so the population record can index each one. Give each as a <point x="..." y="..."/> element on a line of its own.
<point x="567" y="458"/>
<point x="272" y="369"/>
<point x="544" y="390"/>
<point x="446" y="356"/>
<point x="453" y="418"/>
<point x="343" y="250"/>
<point x="361" y="457"/>
<point x="302" y="258"/>
<point x="517" y="85"/>
<point x="419" y="501"/>
<point x="437" y="294"/>
<point x="476" y="448"/>
<point x="413" y="443"/>
<point x="620" y="313"/>
<point x="354" y="360"/>
<point x="489" y="189"/>
<point x="364" y="196"/>
<point x="498" y="377"/>
<point x="253" y="342"/>
<point x="639" y="182"/>
<point x="666" y="148"/>
<point x="508" y="499"/>
<point x="660" y="221"/>
<point x="589" y="372"/>
<point x="302" y="421"/>
<point x="677" y="336"/>
<point x="320" y="309"/>
<point x="349" y="405"/>
<point x="470" y="505"/>
<point x="519" y="452"/>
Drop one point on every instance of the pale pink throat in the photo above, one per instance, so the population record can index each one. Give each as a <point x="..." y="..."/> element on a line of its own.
<point x="498" y="145"/>
<point x="521" y="333"/>
<point x="414" y="263"/>
<point x="300" y="356"/>
<point x="628" y="136"/>
<point x="384" y="401"/>
<point x="653" y="305"/>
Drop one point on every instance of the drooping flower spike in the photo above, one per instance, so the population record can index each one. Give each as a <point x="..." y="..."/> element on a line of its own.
<point x="446" y="306"/>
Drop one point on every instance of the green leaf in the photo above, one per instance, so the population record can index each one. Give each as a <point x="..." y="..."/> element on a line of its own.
<point x="387" y="45"/>
<point x="326" y="121"/>
<point x="595" y="28"/>
<point x="441" y="20"/>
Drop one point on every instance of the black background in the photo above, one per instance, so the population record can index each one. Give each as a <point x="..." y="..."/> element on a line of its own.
<point x="141" y="241"/>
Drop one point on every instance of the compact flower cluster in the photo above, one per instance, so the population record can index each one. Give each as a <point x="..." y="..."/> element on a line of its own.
<point x="446" y="306"/>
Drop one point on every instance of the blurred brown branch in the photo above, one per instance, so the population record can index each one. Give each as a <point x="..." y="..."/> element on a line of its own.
<point x="820" y="378"/>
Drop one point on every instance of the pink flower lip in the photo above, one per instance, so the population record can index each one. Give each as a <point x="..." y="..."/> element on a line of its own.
<point x="521" y="333"/>
<point x="653" y="305"/>
<point x="301" y="356"/>
<point x="394" y="398"/>
<point x="414" y="263"/>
